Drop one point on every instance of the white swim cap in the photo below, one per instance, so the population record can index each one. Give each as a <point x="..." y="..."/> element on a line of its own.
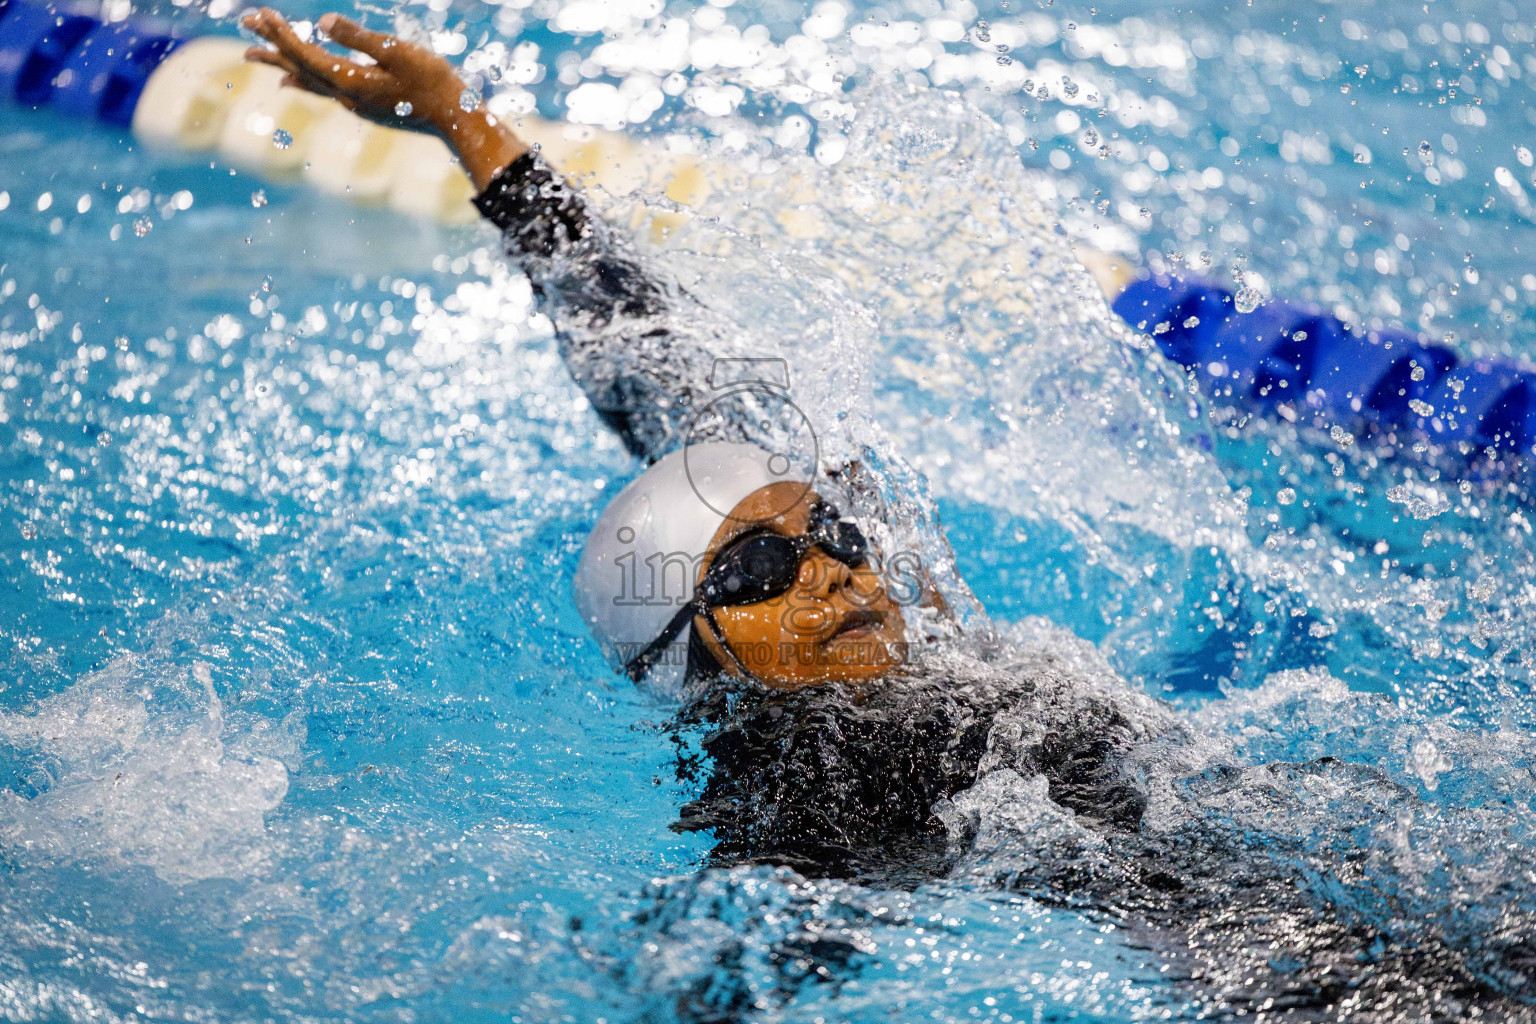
<point x="642" y="558"/>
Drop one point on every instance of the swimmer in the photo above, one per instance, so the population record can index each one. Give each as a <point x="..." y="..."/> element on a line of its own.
<point x="842" y="739"/>
<point x="718" y="569"/>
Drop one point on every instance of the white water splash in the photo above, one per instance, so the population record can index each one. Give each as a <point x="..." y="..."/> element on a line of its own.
<point x="117" y="778"/>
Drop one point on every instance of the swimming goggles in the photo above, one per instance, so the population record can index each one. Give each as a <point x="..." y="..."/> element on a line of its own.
<point x="754" y="567"/>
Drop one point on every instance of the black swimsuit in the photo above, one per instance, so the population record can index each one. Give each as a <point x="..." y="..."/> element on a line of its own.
<point x="836" y="786"/>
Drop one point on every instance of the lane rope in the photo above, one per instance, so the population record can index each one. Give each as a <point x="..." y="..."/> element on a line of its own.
<point x="1310" y="367"/>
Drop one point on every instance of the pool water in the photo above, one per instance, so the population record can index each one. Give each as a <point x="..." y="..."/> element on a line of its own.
<point x="298" y="721"/>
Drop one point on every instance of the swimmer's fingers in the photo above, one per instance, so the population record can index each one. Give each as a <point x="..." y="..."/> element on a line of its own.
<point x="272" y="27"/>
<point x="262" y="55"/>
<point x="294" y="75"/>
<point x="401" y="76"/>
<point x="309" y="60"/>
<point x="348" y="33"/>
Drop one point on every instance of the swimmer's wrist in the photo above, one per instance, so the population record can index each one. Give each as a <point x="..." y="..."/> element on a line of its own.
<point x="483" y="144"/>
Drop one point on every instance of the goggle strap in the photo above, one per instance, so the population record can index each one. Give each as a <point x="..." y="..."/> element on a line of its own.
<point x="641" y="663"/>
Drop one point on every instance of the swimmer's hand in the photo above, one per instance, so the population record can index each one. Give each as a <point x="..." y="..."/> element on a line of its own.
<point x="402" y="86"/>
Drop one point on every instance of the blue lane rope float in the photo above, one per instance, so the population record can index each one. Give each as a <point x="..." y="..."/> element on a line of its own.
<point x="72" y="61"/>
<point x="107" y="72"/>
<point x="1294" y="359"/>
<point x="1327" y="373"/>
<point x="33" y="42"/>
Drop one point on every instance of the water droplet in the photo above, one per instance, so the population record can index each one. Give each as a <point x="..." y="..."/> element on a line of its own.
<point x="1482" y="590"/>
<point x="1192" y="321"/>
<point x="403" y="108"/>
<point x="1426" y="154"/>
<point x="121" y="341"/>
<point x="1247" y="299"/>
<point x="1286" y="495"/>
<point x="1362" y="70"/>
<point x="1362" y="157"/>
<point x="1205" y="257"/>
<point x="1090" y="137"/>
<point x="1523" y="155"/>
<point x="1428" y="763"/>
<point x="1068" y="87"/>
<point x="1029" y="85"/>
<point x="104" y="439"/>
<point x="1421" y="407"/>
<point x="282" y="138"/>
<point x="28" y="531"/>
<point x="1341" y="437"/>
<point x="1417" y="373"/>
<point x="143" y="226"/>
<point x="1003" y="47"/>
<point x="983" y="32"/>
<point x="1005" y="61"/>
<point x="469" y="99"/>
<point x="259" y="198"/>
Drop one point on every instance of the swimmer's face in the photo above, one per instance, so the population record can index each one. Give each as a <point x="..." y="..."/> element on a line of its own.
<point x="835" y="623"/>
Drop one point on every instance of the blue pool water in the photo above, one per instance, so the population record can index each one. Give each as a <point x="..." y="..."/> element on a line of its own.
<point x="297" y="719"/>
